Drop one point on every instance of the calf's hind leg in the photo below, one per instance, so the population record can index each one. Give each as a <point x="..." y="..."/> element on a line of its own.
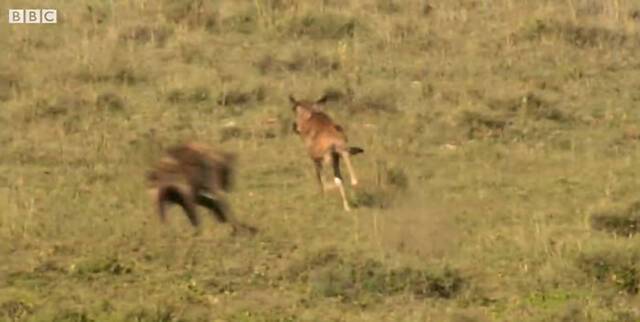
<point x="347" y="161"/>
<point x="337" y="177"/>
<point x="318" y="167"/>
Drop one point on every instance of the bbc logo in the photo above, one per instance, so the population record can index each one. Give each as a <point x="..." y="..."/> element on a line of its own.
<point x="33" y="16"/>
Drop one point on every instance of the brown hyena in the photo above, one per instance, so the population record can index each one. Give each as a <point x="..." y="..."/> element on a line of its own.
<point x="193" y="174"/>
<point x="325" y="141"/>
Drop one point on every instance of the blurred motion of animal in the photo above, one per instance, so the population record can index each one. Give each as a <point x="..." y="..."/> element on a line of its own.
<point x="192" y="174"/>
<point x="325" y="142"/>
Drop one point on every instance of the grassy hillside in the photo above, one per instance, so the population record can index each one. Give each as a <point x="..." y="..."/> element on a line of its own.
<point x="499" y="183"/>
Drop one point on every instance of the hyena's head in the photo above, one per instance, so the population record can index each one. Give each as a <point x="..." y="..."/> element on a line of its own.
<point x="304" y="109"/>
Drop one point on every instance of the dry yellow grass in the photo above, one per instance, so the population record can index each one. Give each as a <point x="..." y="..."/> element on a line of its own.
<point x="499" y="182"/>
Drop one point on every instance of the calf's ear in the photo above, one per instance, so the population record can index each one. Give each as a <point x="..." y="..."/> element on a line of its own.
<point x="293" y="100"/>
<point x="322" y="99"/>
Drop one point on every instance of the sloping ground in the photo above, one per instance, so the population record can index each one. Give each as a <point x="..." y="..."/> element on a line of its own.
<point x="499" y="181"/>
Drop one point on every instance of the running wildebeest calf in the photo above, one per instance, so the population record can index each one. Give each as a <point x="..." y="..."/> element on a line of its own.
<point x="325" y="141"/>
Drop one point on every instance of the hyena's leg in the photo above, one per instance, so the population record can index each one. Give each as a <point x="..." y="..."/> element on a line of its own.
<point x="217" y="206"/>
<point x="220" y="210"/>
<point x="337" y="177"/>
<point x="347" y="161"/>
<point x="182" y="198"/>
<point x="161" y="204"/>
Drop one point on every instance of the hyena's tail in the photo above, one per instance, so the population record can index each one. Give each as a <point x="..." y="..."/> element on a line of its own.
<point x="353" y="150"/>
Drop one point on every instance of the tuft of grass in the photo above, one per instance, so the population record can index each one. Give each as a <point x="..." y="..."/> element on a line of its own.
<point x="481" y="125"/>
<point x="118" y="71"/>
<point x="395" y="181"/>
<point x="397" y="177"/>
<point x="613" y="267"/>
<point x="500" y="123"/>
<point x="531" y="105"/>
<point x="143" y="34"/>
<point x="298" y="61"/>
<point x="63" y="105"/>
<point x="167" y="314"/>
<point x="231" y="132"/>
<point x="70" y="315"/>
<point x="519" y="117"/>
<point x="331" y="275"/>
<point x="15" y="310"/>
<point x="245" y="22"/>
<point x="571" y="312"/>
<point x="323" y="26"/>
<point x="578" y="35"/>
<point x="622" y="222"/>
<point x="194" y="95"/>
<point x="372" y="198"/>
<point x="388" y="6"/>
<point x="242" y="96"/>
<point x="110" y="101"/>
<point x="376" y="99"/>
<point x="97" y="13"/>
<point x="192" y="13"/>
<point x="111" y="266"/>
<point x="264" y="316"/>
<point x="354" y="280"/>
<point x="9" y="85"/>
